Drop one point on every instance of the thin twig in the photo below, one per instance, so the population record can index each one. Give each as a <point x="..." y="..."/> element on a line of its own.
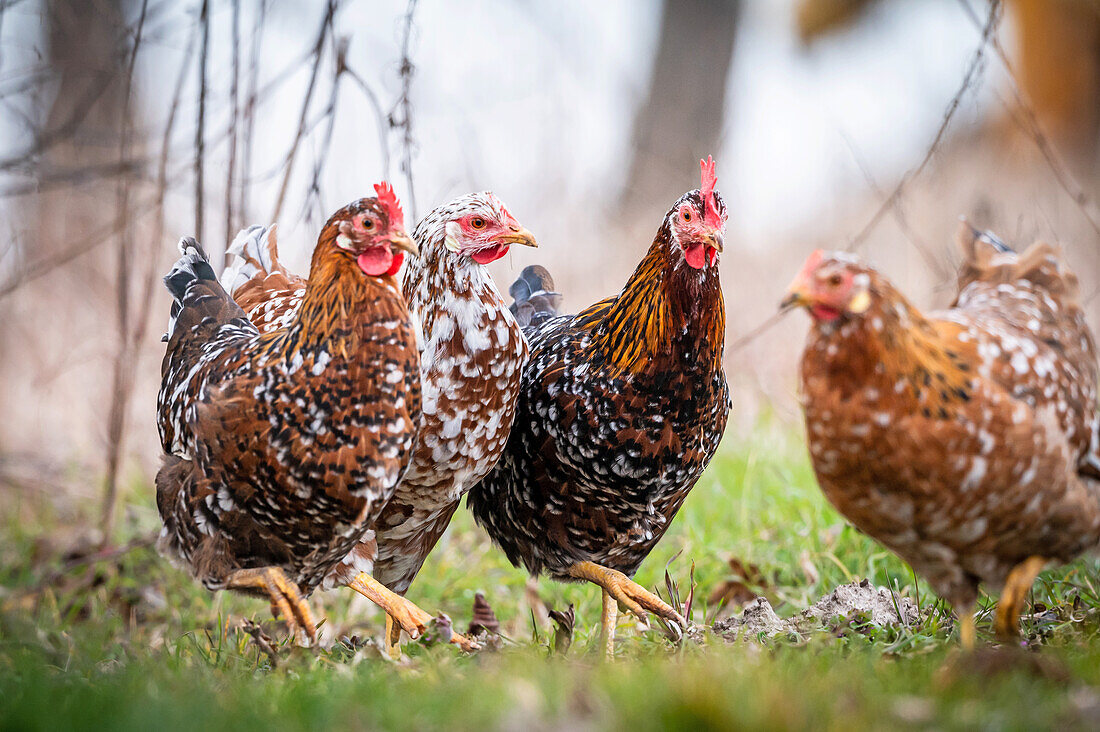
<point x="150" y="275"/>
<point x="234" y="111"/>
<point x="1029" y="123"/>
<point x="380" y="113"/>
<point x="318" y="46"/>
<point x="122" y="378"/>
<point x="758" y="331"/>
<point x="404" y="104"/>
<point x="45" y="265"/>
<point x="250" y="114"/>
<point x="933" y="262"/>
<point x="314" y="192"/>
<point x="200" y="133"/>
<point x="969" y="79"/>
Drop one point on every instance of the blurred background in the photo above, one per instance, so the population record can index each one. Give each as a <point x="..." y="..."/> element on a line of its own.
<point x="856" y="124"/>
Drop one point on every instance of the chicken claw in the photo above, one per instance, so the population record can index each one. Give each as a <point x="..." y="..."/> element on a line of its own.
<point x="401" y="613"/>
<point x="286" y="599"/>
<point x="618" y="588"/>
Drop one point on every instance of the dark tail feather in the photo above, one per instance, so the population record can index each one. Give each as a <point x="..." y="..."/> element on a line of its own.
<point x="534" y="297"/>
<point x="988" y="237"/>
<point x="192" y="266"/>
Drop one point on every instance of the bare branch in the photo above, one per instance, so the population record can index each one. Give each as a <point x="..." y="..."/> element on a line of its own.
<point x="383" y="119"/>
<point x="200" y="135"/>
<point x="326" y="28"/>
<point x="235" y="111"/>
<point x="404" y="104"/>
<point x="314" y="192"/>
<point x="969" y="79"/>
<point x="1028" y="121"/>
<point x="122" y="380"/>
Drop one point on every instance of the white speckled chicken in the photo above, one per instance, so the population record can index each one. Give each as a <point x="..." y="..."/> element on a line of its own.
<point x="965" y="440"/>
<point x="472" y="355"/>
<point x="282" y="448"/>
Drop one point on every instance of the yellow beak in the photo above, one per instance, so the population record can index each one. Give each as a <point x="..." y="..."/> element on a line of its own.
<point x="798" y="294"/>
<point x="401" y="240"/>
<point x="517" y="235"/>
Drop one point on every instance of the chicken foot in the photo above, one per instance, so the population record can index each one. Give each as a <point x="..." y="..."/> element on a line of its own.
<point x="402" y="614"/>
<point x="618" y="588"/>
<point x="286" y="599"/>
<point x="1006" y="622"/>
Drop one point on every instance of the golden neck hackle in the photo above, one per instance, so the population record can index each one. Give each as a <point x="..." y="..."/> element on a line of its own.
<point x="656" y="306"/>
<point x="336" y="291"/>
<point x="893" y="348"/>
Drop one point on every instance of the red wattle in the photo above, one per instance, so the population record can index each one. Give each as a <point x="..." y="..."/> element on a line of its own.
<point x="695" y="255"/>
<point x="377" y="261"/>
<point x="824" y="313"/>
<point x="492" y="254"/>
<point x="712" y="254"/>
<point x="398" y="260"/>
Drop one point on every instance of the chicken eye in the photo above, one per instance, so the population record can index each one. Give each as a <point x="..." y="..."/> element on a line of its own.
<point x="477" y="222"/>
<point x="368" y="223"/>
<point x="685" y="214"/>
<point x="835" y="280"/>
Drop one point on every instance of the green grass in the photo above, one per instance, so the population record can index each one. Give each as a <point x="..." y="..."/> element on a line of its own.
<point x="132" y="643"/>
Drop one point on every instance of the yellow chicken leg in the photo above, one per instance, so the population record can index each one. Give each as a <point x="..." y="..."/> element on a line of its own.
<point x="401" y="612"/>
<point x="286" y="599"/>
<point x="1006" y="622"/>
<point x="620" y="588"/>
<point x="608" y="622"/>
<point x="967" y="633"/>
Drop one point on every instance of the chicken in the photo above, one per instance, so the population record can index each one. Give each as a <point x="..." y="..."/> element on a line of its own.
<point x="472" y="355"/>
<point x="965" y="440"/>
<point x="282" y="448"/>
<point x="621" y="408"/>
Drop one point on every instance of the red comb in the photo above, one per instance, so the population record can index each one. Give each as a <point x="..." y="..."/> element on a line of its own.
<point x="708" y="179"/>
<point x="389" y="202"/>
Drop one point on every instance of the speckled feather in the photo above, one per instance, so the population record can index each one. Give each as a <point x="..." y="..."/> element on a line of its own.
<point x="472" y="354"/>
<point x="621" y="408"/>
<point x="283" y="447"/>
<point x="964" y="440"/>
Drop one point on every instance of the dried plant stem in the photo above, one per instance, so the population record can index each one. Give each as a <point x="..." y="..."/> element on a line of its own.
<point x="318" y="46"/>
<point x="969" y="79"/>
<point x="122" y="379"/>
<point x="200" y="125"/>
<point x="249" y="114"/>
<point x="404" y="105"/>
<point x="235" y="111"/>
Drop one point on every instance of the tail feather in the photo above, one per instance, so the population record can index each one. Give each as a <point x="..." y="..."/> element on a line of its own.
<point x="988" y="259"/>
<point x="255" y="252"/>
<point x="193" y="284"/>
<point x="534" y="297"/>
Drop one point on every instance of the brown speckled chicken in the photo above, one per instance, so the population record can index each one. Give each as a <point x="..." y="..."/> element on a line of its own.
<point x="965" y="440"/>
<point x="621" y="408"/>
<point x="472" y="355"/>
<point x="282" y="448"/>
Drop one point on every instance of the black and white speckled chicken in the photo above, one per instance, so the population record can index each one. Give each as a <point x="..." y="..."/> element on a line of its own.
<point x="621" y="408"/>
<point x="282" y="448"/>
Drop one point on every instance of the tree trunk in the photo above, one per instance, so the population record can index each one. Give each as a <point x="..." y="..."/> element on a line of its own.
<point x="682" y="116"/>
<point x="56" y="346"/>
